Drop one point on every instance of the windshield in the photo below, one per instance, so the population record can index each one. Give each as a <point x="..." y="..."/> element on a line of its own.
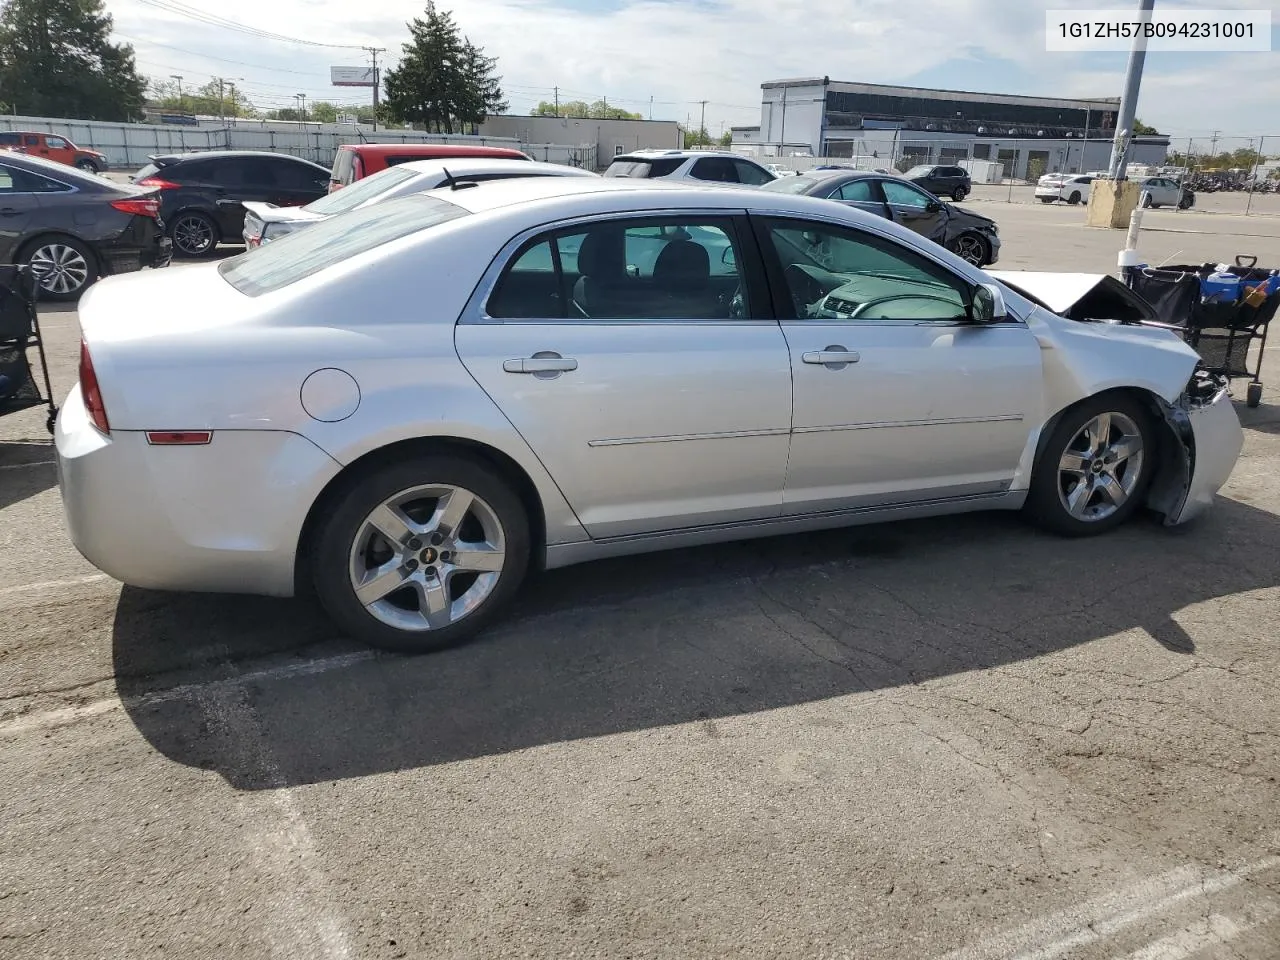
<point x="306" y="252"/>
<point x="790" y="184"/>
<point x="356" y="194"/>
<point x="918" y="171"/>
<point x="631" y="167"/>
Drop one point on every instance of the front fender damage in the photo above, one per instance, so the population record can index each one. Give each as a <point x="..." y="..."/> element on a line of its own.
<point x="1201" y="440"/>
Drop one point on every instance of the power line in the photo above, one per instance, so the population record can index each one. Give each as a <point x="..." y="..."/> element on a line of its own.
<point x="213" y="20"/>
<point x="209" y="56"/>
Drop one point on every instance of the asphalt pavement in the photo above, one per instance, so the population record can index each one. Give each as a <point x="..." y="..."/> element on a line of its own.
<point x="957" y="738"/>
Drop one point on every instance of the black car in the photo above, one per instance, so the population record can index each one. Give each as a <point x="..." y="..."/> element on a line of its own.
<point x="968" y="235"/>
<point x="74" y="227"/>
<point x="201" y="193"/>
<point x="942" y="181"/>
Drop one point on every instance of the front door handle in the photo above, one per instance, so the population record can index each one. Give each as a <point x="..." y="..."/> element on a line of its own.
<point x="833" y="356"/>
<point x="10" y="212"/>
<point x="540" y="364"/>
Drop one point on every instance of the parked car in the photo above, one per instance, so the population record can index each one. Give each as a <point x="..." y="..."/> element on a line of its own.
<point x="411" y="405"/>
<point x="74" y="227"/>
<point x="707" y="166"/>
<point x="1071" y="188"/>
<point x="57" y="149"/>
<point x="942" y="180"/>
<point x="355" y="161"/>
<point x="265" y="222"/>
<point x="1164" y="192"/>
<point x="969" y="235"/>
<point x="202" y="194"/>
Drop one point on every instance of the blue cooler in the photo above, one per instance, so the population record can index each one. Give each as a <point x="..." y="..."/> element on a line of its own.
<point x="1220" y="287"/>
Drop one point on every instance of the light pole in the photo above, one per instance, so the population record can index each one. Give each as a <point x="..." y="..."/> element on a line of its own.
<point x="221" y="81"/>
<point x="178" y="77"/>
<point x="302" y="111"/>
<point x="1129" y="101"/>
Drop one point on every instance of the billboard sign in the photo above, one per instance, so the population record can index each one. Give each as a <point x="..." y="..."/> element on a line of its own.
<point x="351" y="76"/>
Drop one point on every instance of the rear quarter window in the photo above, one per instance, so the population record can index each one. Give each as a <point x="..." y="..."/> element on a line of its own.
<point x="343" y="167"/>
<point x="296" y="256"/>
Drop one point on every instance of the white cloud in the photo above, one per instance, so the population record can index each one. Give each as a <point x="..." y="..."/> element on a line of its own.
<point x="685" y="51"/>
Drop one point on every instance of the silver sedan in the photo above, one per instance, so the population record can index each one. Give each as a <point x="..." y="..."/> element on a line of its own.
<point x="409" y="407"/>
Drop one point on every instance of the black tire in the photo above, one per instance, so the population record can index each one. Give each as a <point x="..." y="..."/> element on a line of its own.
<point x="1047" y="199"/>
<point x="1074" y="198"/>
<point x="88" y="166"/>
<point x="51" y="248"/>
<point x="1146" y="201"/>
<point x="972" y="248"/>
<point x="194" y="234"/>
<point x="1045" y="504"/>
<point x="959" y="194"/>
<point x="332" y="545"/>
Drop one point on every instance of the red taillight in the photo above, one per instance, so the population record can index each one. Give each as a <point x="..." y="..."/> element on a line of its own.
<point x="92" y="394"/>
<point x="178" y="438"/>
<point x="139" y="206"/>
<point x="159" y="183"/>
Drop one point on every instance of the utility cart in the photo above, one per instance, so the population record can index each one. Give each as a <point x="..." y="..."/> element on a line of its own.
<point x="19" y="332"/>
<point x="1221" y="313"/>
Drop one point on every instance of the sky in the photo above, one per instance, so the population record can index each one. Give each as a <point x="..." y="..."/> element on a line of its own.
<point x="665" y="56"/>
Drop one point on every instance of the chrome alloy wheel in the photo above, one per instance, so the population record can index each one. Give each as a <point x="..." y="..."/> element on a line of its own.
<point x="193" y="236"/>
<point x="1100" y="468"/>
<point x="971" y="249"/>
<point x="426" y="557"/>
<point x="60" y="268"/>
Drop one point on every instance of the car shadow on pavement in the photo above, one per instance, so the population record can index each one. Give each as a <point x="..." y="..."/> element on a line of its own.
<point x="26" y="469"/>
<point x="1264" y="418"/>
<point x="640" y="643"/>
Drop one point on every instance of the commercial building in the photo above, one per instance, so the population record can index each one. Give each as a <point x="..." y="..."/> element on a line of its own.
<point x="609" y="137"/>
<point x="903" y="126"/>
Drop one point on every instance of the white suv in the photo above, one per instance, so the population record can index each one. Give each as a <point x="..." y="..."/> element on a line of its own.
<point x="705" y="166"/>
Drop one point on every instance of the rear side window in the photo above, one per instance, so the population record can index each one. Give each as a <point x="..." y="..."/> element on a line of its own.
<point x="343" y="167"/>
<point x="296" y="256"/>
<point x="715" y="170"/>
<point x="749" y="173"/>
<point x="16" y="180"/>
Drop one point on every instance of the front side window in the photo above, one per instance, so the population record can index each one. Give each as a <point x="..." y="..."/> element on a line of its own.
<point x="715" y="170"/>
<point x="836" y="273"/>
<point x="55" y="143"/>
<point x="652" y="269"/>
<point x="904" y="195"/>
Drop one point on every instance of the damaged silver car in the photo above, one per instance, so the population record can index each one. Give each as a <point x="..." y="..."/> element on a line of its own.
<point x="409" y="406"/>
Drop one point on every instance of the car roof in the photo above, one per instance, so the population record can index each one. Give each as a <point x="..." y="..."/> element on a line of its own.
<point x="649" y="154"/>
<point x="432" y="149"/>
<point x="477" y="166"/>
<point x="225" y="154"/>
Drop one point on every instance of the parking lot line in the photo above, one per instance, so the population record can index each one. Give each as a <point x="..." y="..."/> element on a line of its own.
<point x="33" y="463"/>
<point x="1213" y="931"/>
<point x="44" y="585"/>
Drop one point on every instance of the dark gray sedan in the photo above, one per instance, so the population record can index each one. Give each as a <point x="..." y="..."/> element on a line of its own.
<point x="969" y="235"/>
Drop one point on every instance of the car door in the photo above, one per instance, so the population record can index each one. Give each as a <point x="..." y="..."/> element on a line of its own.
<point x="864" y="194"/>
<point x="59" y="150"/>
<point x="296" y="183"/>
<point x="637" y="358"/>
<point x="236" y="179"/>
<point x="18" y="205"/>
<point x="915" y="209"/>
<point x="899" y="397"/>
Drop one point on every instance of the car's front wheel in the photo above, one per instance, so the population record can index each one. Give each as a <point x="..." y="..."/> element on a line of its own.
<point x="959" y="193"/>
<point x="193" y="234"/>
<point x="1095" y="468"/>
<point x="88" y="166"/>
<point x="972" y="248"/>
<point x="1047" y="199"/>
<point x="421" y="554"/>
<point x="1074" y="198"/>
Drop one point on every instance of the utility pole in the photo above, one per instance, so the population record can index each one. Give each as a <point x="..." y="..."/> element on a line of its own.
<point x="302" y="99"/>
<point x="235" y="112"/>
<point x="178" y="77"/>
<point x="1129" y="101"/>
<point x="650" y="106"/>
<point x="1213" y="145"/>
<point x="377" y="82"/>
<point x="221" y="82"/>
<point x="557" y="96"/>
<point x="702" y="123"/>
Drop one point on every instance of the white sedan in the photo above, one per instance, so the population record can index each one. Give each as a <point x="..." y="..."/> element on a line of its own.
<point x="1071" y="188"/>
<point x="409" y="406"/>
<point x="265" y="222"/>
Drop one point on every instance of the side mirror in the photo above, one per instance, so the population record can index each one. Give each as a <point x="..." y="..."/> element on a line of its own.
<point x="933" y="206"/>
<point x="988" y="304"/>
<point x="728" y="257"/>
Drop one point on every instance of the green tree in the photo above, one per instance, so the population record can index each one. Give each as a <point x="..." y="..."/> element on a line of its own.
<point x="699" y="139"/>
<point x="726" y="139"/>
<point x="1140" y="129"/>
<point x="598" y="110"/>
<point x="57" y="60"/>
<point x="443" y="80"/>
<point x="206" y="101"/>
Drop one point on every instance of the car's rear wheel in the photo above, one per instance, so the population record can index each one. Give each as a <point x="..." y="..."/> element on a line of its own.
<point x="88" y="166"/>
<point x="1095" y="468"/>
<point x="973" y="248"/>
<point x="63" y="266"/>
<point x="193" y="234"/>
<point x="959" y="193"/>
<point x="1047" y="199"/>
<point x="1074" y="198"/>
<point x="421" y="554"/>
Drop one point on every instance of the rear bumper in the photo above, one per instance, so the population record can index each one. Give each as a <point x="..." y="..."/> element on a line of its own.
<point x="224" y="517"/>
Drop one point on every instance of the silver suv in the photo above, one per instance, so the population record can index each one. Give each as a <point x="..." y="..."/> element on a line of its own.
<point x="705" y="166"/>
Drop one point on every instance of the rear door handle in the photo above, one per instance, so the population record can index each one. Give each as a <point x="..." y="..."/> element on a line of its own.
<point x="831" y="355"/>
<point x="10" y="212"/>
<point x="540" y="365"/>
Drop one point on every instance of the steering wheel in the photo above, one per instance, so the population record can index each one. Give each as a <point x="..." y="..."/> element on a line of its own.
<point x="864" y="307"/>
<point x="805" y="291"/>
